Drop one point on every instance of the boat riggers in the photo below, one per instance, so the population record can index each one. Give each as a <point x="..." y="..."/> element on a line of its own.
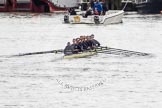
<point x="107" y="50"/>
<point x="116" y="51"/>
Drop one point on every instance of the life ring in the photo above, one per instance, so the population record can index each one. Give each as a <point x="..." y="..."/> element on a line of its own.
<point x="77" y="19"/>
<point x="161" y="11"/>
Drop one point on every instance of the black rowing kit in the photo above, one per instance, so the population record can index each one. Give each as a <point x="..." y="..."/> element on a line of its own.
<point x="82" y="46"/>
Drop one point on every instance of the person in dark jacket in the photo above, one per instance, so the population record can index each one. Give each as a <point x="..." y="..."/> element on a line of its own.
<point x="80" y="46"/>
<point x="104" y="7"/>
<point x="89" y="43"/>
<point x="72" y="11"/>
<point x="74" y="47"/>
<point x="92" y="3"/>
<point x="68" y="49"/>
<point x="89" y="11"/>
<point x="95" y="42"/>
<point x="83" y="43"/>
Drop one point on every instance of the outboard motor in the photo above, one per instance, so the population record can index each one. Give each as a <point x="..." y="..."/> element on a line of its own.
<point x="66" y="19"/>
<point x="96" y="19"/>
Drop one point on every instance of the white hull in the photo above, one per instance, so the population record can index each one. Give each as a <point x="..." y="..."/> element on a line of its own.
<point x="114" y="17"/>
<point x="111" y="17"/>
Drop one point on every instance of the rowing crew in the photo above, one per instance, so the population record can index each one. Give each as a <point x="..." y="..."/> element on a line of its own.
<point x="81" y="44"/>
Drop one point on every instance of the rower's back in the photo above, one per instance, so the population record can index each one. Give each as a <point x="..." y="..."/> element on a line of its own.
<point x="68" y="49"/>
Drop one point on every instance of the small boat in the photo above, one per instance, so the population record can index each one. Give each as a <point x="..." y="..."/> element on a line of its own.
<point x="111" y="17"/>
<point x="80" y="55"/>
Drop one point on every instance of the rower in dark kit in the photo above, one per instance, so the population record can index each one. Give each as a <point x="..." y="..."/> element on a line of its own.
<point x="74" y="47"/>
<point x="95" y="42"/>
<point x="83" y="43"/>
<point x="80" y="46"/>
<point x="89" y="43"/>
<point x="68" y="49"/>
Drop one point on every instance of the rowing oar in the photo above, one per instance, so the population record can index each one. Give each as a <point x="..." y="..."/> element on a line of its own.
<point x="42" y="52"/>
